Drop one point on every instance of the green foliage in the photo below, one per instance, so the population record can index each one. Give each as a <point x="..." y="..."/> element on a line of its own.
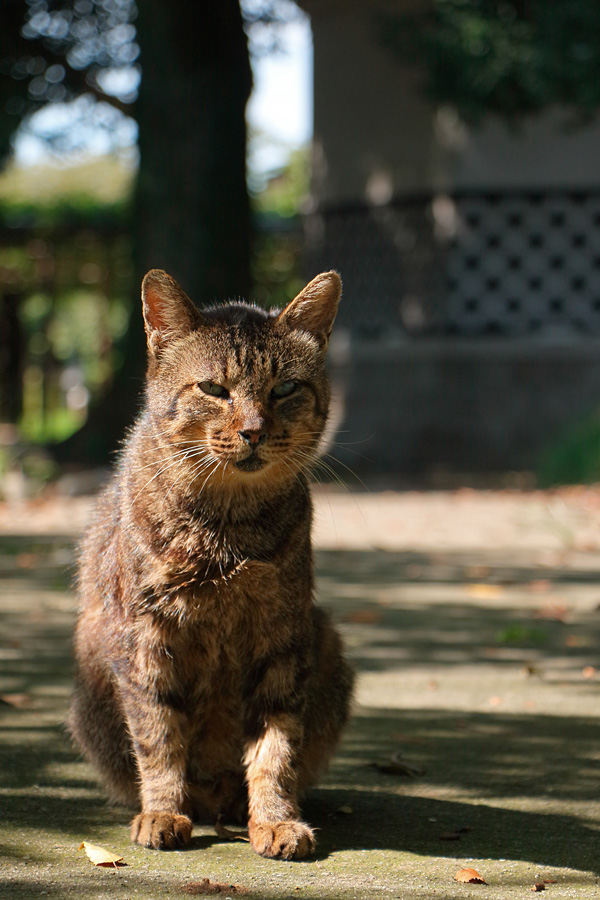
<point x="277" y="252"/>
<point x="509" y="57"/>
<point x="284" y="192"/>
<point x="65" y="261"/>
<point x="521" y="634"/>
<point x="574" y="458"/>
<point x="95" y="191"/>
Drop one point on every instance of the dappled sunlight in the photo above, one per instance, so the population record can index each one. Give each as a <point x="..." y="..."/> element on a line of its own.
<point x="473" y="737"/>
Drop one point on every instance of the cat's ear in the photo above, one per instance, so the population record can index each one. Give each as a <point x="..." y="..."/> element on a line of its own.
<point x="168" y="311"/>
<point x="315" y="307"/>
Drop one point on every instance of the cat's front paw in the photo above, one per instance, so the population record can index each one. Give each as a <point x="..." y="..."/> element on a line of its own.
<point x="161" y="830"/>
<point x="282" y="840"/>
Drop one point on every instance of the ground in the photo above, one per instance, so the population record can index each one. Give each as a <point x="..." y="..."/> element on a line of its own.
<point x="473" y="620"/>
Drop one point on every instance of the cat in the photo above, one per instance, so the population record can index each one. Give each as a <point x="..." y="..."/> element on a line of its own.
<point x="208" y="683"/>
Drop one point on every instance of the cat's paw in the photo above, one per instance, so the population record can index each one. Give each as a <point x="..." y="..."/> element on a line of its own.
<point x="282" y="840"/>
<point x="161" y="830"/>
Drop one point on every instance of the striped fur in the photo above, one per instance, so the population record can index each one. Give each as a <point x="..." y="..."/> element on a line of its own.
<point x="208" y="683"/>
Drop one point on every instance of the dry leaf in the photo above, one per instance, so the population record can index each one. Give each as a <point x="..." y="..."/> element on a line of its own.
<point x="26" y="560"/>
<point x="477" y="571"/>
<point x="226" y="833"/>
<point x="19" y="701"/>
<point x="588" y="672"/>
<point x="484" y="591"/>
<point x="539" y="586"/>
<point x="558" y="611"/>
<point x="539" y="886"/>
<point x="346" y="810"/>
<point x="101" y="857"/>
<point x="530" y="671"/>
<point x="469" y="876"/>
<point x="398" y="766"/>
<point x="206" y="886"/>
<point x="574" y="640"/>
<point x="363" y="617"/>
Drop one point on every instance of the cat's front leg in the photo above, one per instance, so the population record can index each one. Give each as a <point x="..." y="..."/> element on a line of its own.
<point x="159" y="734"/>
<point x="274" y="826"/>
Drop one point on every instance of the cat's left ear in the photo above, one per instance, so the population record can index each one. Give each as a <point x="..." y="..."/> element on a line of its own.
<point x="315" y="308"/>
<point x="168" y="311"/>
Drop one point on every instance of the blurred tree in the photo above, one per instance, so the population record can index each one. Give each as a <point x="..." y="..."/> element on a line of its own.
<point x="509" y="57"/>
<point x="191" y="210"/>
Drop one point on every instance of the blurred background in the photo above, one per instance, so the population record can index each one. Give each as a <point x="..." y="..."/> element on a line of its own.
<point x="442" y="155"/>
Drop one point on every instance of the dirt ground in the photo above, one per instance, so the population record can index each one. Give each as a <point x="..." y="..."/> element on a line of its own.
<point x="473" y="619"/>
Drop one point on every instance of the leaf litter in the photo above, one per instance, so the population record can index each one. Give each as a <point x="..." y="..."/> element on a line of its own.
<point x="226" y="833"/>
<point x="100" y="856"/>
<point x="469" y="876"/>
<point x="206" y="886"/>
<point x="396" y="765"/>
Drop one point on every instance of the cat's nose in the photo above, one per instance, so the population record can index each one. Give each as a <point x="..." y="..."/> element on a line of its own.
<point x="253" y="436"/>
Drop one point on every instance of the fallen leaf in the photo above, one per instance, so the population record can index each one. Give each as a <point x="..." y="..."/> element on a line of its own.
<point x="19" y="701"/>
<point x="574" y="640"/>
<point x="530" y="671"/>
<point x="346" y="810"/>
<point x="588" y="672"/>
<point x="469" y="876"/>
<point x="363" y="617"/>
<point x="484" y="591"/>
<point x="477" y="571"/>
<point x="539" y="586"/>
<point x="495" y="701"/>
<point x="398" y="766"/>
<point x="539" y="886"/>
<point x="206" y="886"/>
<point x="556" y="611"/>
<point x="100" y="856"/>
<point x="226" y="834"/>
<point x="26" y="560"/>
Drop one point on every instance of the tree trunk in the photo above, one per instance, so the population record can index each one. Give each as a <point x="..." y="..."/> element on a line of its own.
<point x="191" y="211"/>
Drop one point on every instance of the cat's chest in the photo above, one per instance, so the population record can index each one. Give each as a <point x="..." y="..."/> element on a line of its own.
<point x="237" y="606"/>
<point x="205" y="636"/>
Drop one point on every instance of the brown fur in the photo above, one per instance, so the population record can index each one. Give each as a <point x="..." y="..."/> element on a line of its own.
<point x="208" y="682"/>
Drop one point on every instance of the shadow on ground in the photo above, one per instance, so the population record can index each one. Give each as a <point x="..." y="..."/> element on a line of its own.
<point x="499" y="784"/>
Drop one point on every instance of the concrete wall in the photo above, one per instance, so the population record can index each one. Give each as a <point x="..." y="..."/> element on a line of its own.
<point x="412" y="404"/>
<point x="374" y="135"/>
<point x="377" y="136"/>
<point x="467" y="406"/>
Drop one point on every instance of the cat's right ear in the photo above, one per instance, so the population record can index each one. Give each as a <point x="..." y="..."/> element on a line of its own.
<point x="168" y="311"/>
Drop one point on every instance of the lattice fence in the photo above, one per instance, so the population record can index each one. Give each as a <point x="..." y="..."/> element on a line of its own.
<point x="472" y="264"/>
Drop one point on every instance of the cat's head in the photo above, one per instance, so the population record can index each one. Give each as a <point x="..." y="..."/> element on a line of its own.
<point x="236" y="394"/>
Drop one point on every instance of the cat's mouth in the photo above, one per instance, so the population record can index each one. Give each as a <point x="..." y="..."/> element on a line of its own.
<point x="251" y="463"/>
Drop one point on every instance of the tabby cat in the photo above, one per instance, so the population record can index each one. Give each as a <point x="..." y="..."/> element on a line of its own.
<point x="208" y="682"/>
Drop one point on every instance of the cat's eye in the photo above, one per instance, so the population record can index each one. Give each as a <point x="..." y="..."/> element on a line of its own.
<point x="213" y="389"/>
<point x="284" y="389"/>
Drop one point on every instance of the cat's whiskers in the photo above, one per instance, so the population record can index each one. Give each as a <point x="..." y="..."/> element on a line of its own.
<point x="170" y="464"/>
<point x="317" y="465"/>
<point x="172" y="456"/>
<point x="204" y="461"/>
